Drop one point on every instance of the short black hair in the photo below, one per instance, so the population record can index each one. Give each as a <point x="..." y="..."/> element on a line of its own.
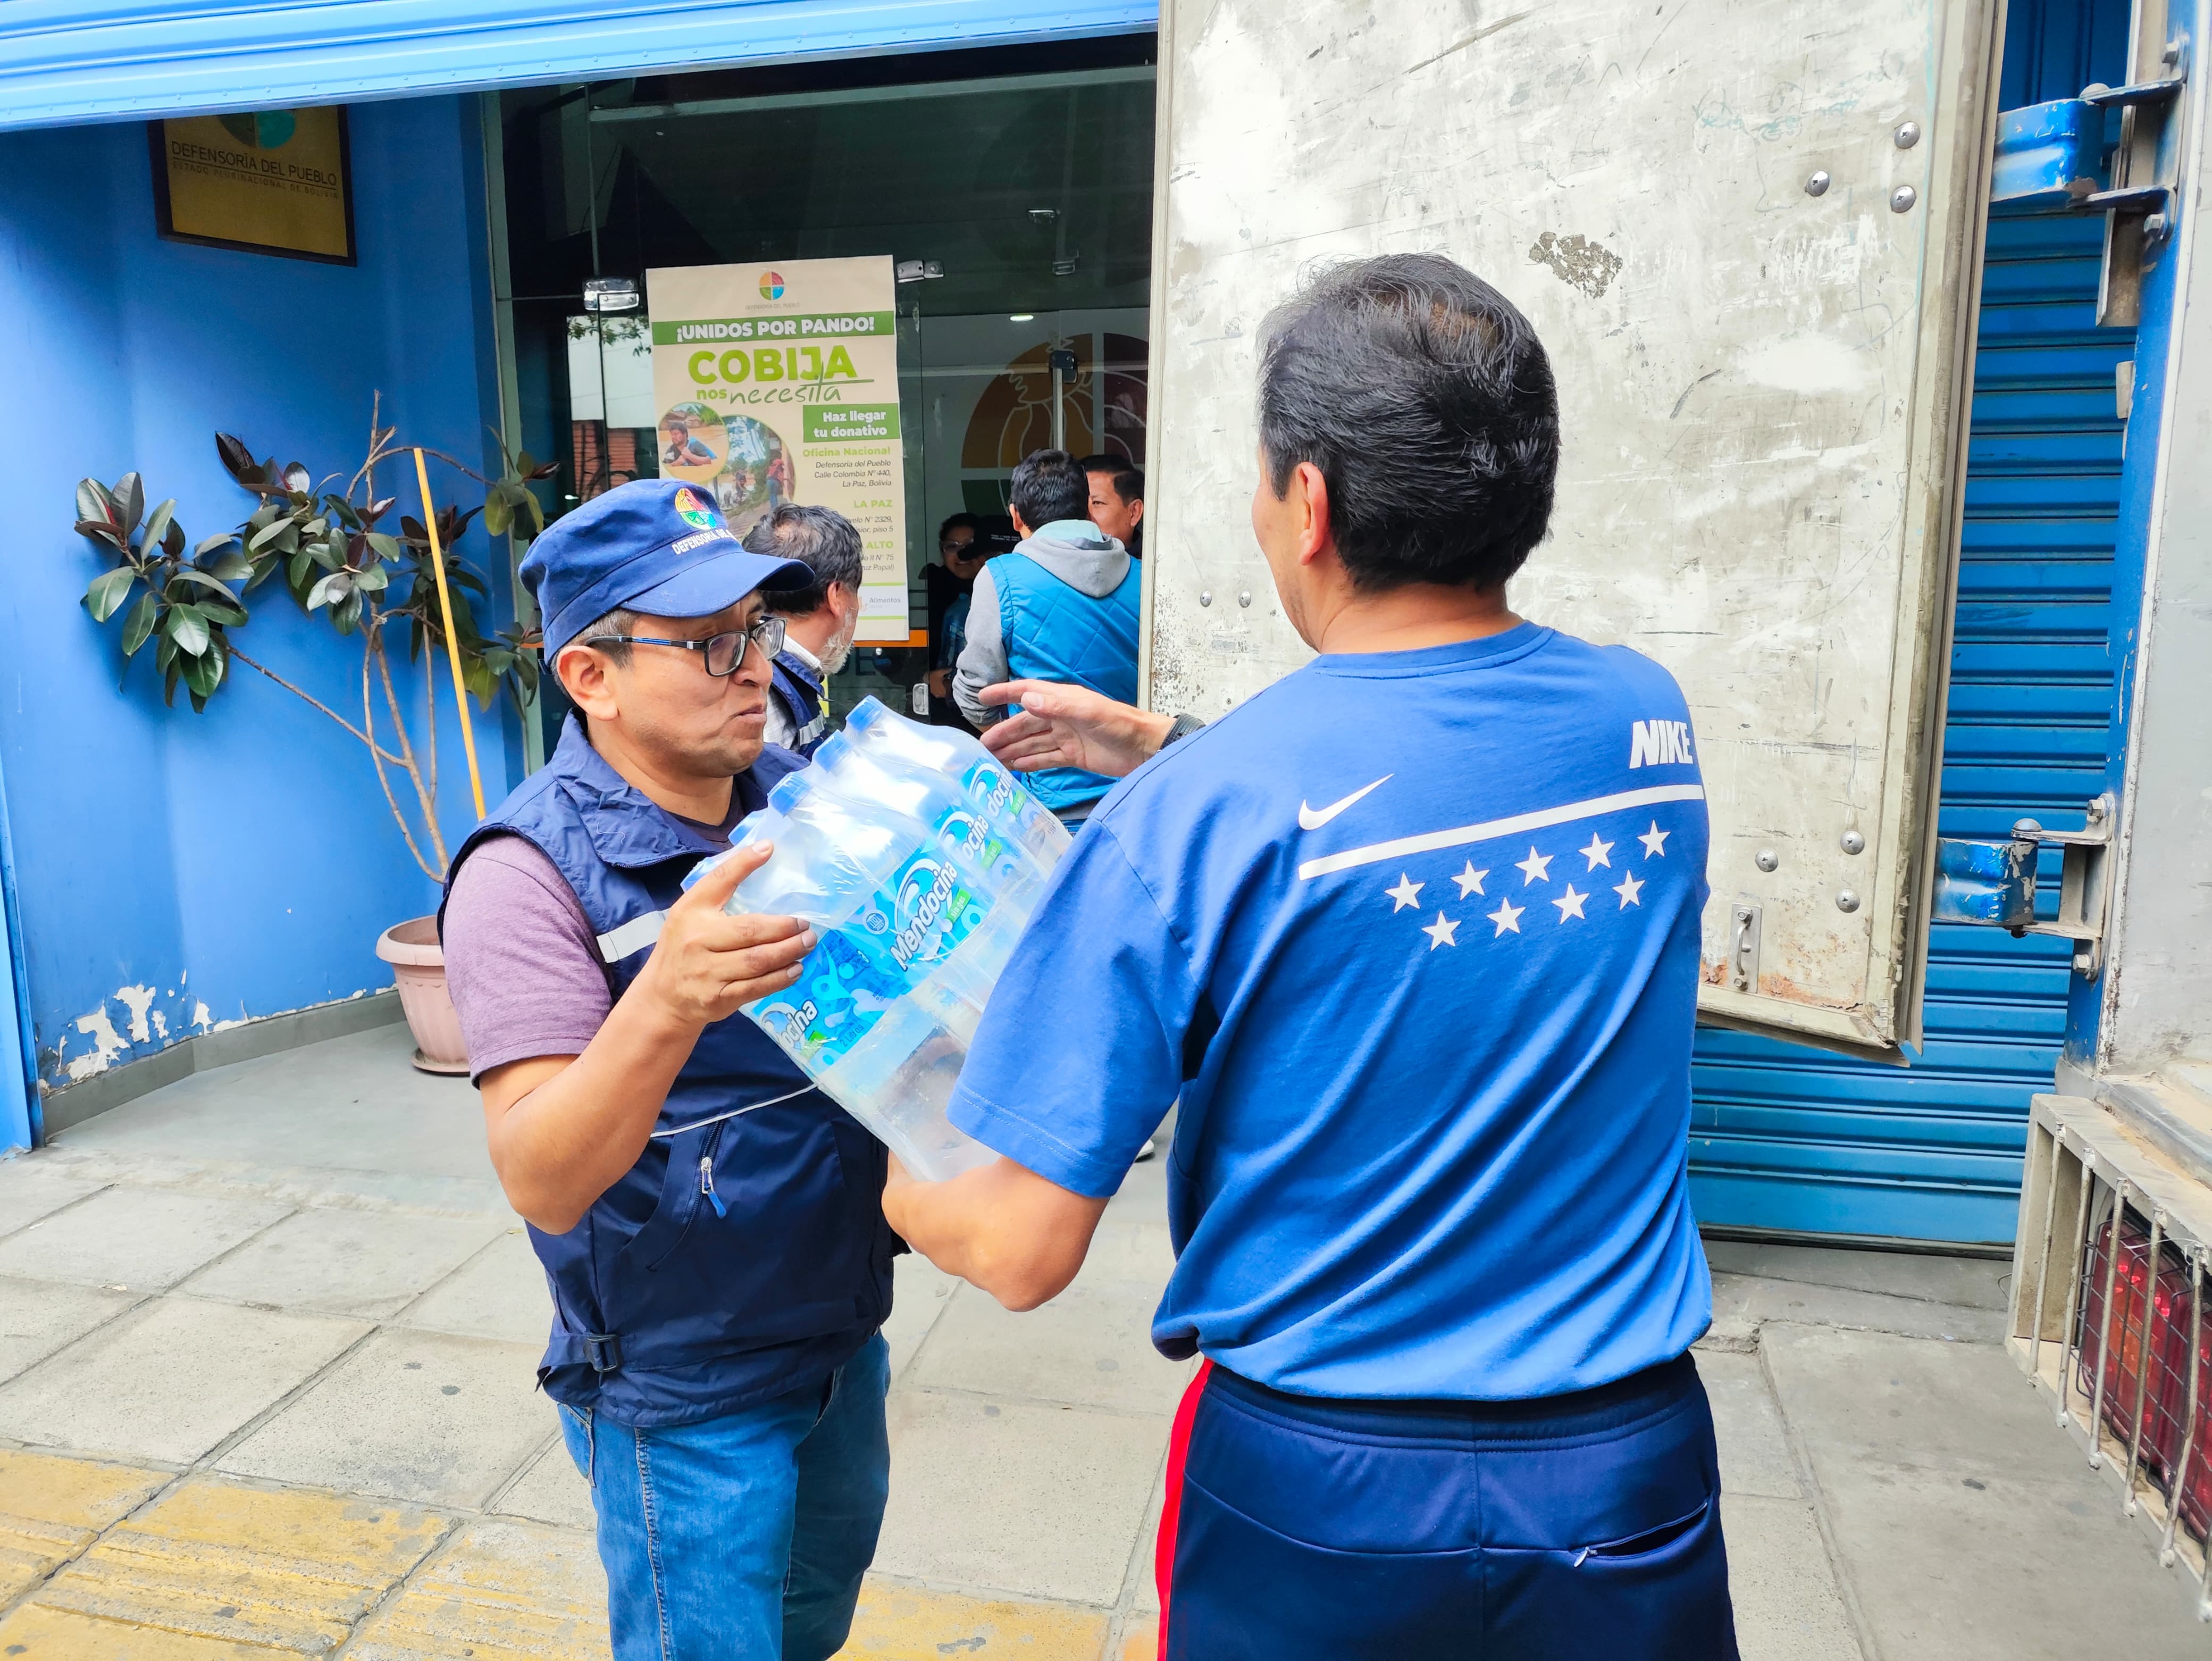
<point x="1426" y="401"/>
<point x="823" y="538"/>
<point x="1049" y="485"/>
<point x="960" y="522"/>
<point x="1128" y="479"/>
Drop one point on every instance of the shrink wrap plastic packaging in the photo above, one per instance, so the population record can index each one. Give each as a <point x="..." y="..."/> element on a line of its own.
<point x="918" y="858"/>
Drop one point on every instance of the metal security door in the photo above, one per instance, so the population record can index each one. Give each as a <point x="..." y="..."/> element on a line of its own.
<point x="1786" y="1138"/>
<point x="1746" y="236"/>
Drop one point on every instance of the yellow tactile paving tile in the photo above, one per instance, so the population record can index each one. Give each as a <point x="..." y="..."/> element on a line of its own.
<point x="35" y="1632"/>
<point x="894" y="1623"/>
<point x="287" y="1569"/>
<point x="50" y="1508"/>
<point x="501" y="1592"/>
<point x="1141" y="1640"/>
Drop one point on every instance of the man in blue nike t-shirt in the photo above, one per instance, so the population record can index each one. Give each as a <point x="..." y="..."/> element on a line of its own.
<point x="1413" y="935"/>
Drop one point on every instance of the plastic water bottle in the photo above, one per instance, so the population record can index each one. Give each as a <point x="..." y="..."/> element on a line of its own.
<point x="876" y="733"/>
<point x="878" y="776"/>
<point x="918" y="861"/>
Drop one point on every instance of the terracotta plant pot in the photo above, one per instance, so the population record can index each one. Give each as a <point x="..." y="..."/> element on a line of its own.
<point x="418" y="965"/>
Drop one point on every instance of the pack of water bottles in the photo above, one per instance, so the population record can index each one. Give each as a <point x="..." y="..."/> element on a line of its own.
<point x="918" y="858"/>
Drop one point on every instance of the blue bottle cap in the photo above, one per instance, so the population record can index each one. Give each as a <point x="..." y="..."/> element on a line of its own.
<point x="834" y="749"/>
<point x="865" y="713"/>
<point x="789" y="793"/>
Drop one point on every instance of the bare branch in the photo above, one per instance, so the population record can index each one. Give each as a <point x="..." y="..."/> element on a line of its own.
<point x="406" y="749"/>
<point x="309" y="697"/>
<point x="369" y="716"/>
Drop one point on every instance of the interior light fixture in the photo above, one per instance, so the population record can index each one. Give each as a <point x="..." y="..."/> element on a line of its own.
<point x="602" y="294"/>
<point x="1022" y="317"/>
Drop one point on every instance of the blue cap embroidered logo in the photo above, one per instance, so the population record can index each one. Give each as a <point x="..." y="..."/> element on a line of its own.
<point x="696" y="511"/>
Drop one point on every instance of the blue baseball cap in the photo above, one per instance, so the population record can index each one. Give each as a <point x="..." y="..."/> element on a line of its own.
<point x="655" y="545"/>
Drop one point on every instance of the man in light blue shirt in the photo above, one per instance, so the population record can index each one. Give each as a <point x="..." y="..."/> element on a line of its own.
<point x="1413" y="934"/>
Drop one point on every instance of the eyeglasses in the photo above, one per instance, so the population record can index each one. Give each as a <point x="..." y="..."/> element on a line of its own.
<point x="724" y="652"/>
<point x="959" y="549"/>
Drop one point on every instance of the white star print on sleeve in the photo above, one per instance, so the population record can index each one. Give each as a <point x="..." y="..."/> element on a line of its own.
<point x="1596" y="852"/>
<point x="1655" y="841"/>
<point x="1470" y="880"/>
<point x="1441" y="931"/>
<point x="1537" y="868"/>
<point x="1407" y="892"/>
<point x="1628" y="888"/>
<point x="1570" y="904"/>
<point x="1507" y="918"/>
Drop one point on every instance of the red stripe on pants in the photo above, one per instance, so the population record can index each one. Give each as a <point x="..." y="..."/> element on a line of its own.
<point x="1171" y="1508"/>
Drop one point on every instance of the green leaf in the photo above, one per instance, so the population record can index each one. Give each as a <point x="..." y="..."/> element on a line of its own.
<point x="373" y="580"/>
<point x="331" y="589"/>
<point x="164" y="651"/>
<point x="172" y="544"/>
<point x="188" y="628"/>
<point x="223" y="610"/>
<point x="139" y="623"/>
<point x="207" y="545"/>
<point x="202" y="582"/>
<point x="169" y="683"/>
<point x="231" y="566"/>
<point x="92" y="501"/>
<point x="108" y="591"/>
<point x="130" y="501"/>
<point x="296" y="568"/>
<point x="98" y="530"/>
<point x="268" y="533"/>
<point x="498" y="515"/>
<point x="203" y="674"/>
<point x="386" y="546"/>
<point x="157" y="524"/>
<point x="347" y="614"/>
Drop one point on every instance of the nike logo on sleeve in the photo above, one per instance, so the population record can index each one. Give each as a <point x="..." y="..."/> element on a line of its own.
<point x="1310" y="818"/>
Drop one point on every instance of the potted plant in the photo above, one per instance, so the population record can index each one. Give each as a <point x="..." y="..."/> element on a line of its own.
<point x="373" y="586"/>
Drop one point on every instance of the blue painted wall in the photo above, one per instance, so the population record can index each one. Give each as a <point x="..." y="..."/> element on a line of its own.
<point x="240" y="862"/>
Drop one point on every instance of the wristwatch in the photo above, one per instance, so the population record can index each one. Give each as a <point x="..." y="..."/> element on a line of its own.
<point x="1183" y="726"/>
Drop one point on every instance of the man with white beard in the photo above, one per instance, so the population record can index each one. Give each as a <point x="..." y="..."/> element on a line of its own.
<point x="818" y="619"/>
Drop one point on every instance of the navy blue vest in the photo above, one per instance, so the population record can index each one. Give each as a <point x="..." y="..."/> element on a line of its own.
<point x="798" y="688"/>
<point x="744" y="1254"/>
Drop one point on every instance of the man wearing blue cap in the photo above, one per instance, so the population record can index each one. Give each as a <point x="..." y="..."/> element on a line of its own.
<point x="710" y="1224"/>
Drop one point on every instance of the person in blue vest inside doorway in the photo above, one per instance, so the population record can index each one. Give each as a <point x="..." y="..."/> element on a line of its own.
<point x="1062" y="607"/>
<point x="710" y="1224"/>
<point x="818" y="619"/>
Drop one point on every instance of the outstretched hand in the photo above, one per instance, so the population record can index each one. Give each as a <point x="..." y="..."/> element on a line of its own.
<point x="707" y="964"/>
<point x="1062" y="725"/>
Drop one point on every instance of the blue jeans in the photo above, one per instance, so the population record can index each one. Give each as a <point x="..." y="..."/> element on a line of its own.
<point x="743" y="1538"/>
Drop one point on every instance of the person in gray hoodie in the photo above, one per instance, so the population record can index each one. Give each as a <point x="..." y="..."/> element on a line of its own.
<point x="1062" y="607"/>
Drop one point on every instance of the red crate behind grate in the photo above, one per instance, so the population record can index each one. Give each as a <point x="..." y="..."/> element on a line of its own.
<point x="2166" y="1391"/>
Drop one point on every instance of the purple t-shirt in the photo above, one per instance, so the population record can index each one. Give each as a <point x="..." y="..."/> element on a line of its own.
<point x="522" y="962"/>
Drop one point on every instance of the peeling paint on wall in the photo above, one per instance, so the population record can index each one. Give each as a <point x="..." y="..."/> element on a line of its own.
<point x="138" y="999"/>
<point x="108" y="1044"/>
<point x="1577" y="261"/>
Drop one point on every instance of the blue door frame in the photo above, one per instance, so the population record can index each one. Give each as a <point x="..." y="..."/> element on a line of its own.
<point x="1797" y="1141"/>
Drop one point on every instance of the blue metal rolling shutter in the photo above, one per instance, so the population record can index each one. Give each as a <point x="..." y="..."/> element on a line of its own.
<point x="65" y="61"/>
<point x="1788" y="1138"/>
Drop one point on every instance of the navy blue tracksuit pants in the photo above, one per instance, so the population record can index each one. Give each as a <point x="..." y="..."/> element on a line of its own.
<point x="1571" y="1527"/>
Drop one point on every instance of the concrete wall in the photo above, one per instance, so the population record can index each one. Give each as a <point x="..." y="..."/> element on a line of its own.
<point x="178" y="872"/>
<point x="2157" y="998"/>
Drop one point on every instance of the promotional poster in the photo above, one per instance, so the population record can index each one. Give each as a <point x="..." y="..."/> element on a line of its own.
<point x="776" y="383"/>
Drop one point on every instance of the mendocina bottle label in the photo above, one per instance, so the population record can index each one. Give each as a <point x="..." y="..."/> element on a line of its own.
<point x="896" y="939"/>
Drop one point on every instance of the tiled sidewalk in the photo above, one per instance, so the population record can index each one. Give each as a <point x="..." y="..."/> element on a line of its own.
<point x="261" y="1395"/>
<point x="268" y="1342"/>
